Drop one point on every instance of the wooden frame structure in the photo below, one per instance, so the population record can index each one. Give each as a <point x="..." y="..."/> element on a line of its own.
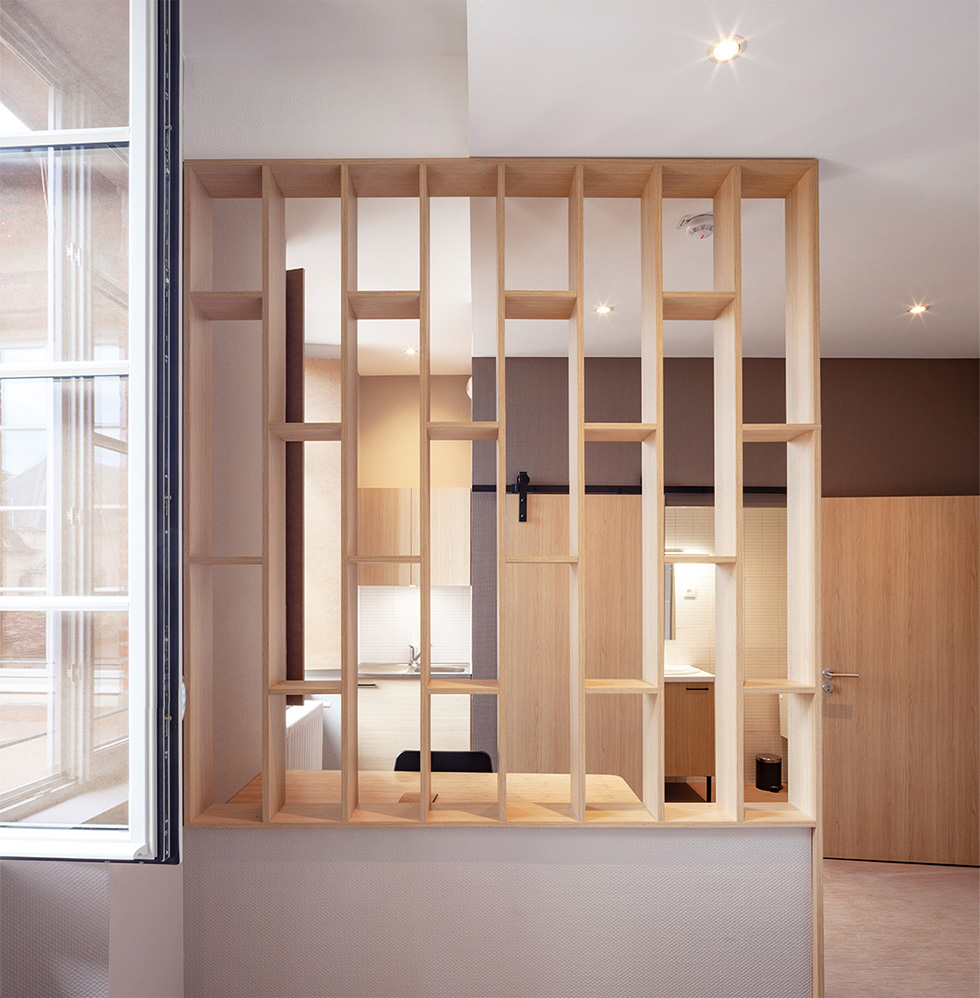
<point x="330" y="799"/>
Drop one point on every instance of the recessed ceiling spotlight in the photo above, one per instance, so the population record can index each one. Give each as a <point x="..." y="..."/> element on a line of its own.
<point x="602" y="309"/>
<point x="410" y="351"/>
<point x="918" y="309"/>
<point x="726" y="49"/>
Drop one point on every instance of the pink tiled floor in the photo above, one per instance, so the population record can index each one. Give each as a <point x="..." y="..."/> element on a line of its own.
<point x="896" y="930"/>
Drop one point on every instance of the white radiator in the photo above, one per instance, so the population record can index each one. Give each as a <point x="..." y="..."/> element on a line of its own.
<point x="304" y="736"/>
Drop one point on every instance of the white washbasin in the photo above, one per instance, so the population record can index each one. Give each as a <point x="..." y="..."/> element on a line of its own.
<point x="682" y="670"/>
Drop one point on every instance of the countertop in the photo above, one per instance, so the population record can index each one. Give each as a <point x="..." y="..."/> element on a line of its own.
<point x="692" y="675"/>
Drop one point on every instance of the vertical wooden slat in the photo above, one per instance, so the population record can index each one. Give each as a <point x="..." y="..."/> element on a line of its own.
<point x="425" y="507"/>
<point x="576" y="496"/>
<point x="652" y="502"/>
<point x="197" y="512"/>
<point x="295" y="482"/>
<point x="273" y="490"/>
<point x="804" y="714"/>
<point x="502" y="663"/>
<point x="728" y="498"/>
<point x="348" y="494"/>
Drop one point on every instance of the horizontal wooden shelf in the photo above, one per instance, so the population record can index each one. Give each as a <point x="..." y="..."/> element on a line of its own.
<point x="618" y="432"/>
<point x="776" y="813"/>
<point x="459" y="685"/>
<point x="463" y="431"/>
<point x="541" y="559"/>
<point x="539" y="304"/>
<point x="291" y="686"/>
<point x="619" y="686"/>
<point x="673" y="558"/>
<point x="229" y="305"/>
<point x="777" y="686"/>
<point x="765" y="433"/>
<point x="213" y="559"/>
<point x="306" y="432"/>
<point x="385" y="559"/>
<point x="696" y="304"/>
<point x="384" y="304"/>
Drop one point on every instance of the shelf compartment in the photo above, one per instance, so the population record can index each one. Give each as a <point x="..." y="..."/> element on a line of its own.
<point x="223" y="306"/>
<point x="696" y="304"/>
<point x="306" y="686"/>
<point x="464" y="686"/>
<point x="541" y="559"/>
<point x="461" y="178"/>
<point x="777" y="686"/>
<point x="384" y="304"/>
<point x="777" y="813"/>
<point x="306" y="432"/>
<point x="463" y="431"/>
<point x="385" y="559"/>
<point x="619" y="686"/>
<point x="539" y="304"/>
<point x="619" y="432"/>
<point x="775" y="433"/>
<point x="672" y="558"/>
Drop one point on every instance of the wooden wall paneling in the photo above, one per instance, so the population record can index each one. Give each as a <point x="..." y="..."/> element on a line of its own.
<point x="450" y="536"/>
<point x="728" y="497"/>
<point x="503" y="665"/>
<point x="652" y="469"/>
<point x="425" y="507"/>
<point x="349" y="496"/>
<point x="385" y="527"/>
<point x="803" y="461"/>
<point x="197" y="502"/>
<point x="273" y="491"/>
<point x="576" y="496"/>
<point x="614" y="635"/>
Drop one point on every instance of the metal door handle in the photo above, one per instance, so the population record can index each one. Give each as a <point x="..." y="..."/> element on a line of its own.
<point x="827" y="674"/>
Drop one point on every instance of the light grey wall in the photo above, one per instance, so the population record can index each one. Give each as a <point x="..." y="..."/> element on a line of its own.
<point x="507" y="913"/>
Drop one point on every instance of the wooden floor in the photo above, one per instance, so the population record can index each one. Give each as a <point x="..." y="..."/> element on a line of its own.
<point x="897" y="930"/>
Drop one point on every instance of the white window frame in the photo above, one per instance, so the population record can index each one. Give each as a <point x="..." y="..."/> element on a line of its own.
<point x="138" y="840"/>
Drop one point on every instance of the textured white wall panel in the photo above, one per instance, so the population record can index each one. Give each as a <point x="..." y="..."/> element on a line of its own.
<point x="332" y="106"/>
<point x="54" y="929"/>
<point x="515" y="913"/>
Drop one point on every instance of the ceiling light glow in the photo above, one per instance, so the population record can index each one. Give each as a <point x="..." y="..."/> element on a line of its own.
<point x="410" y="351"/>
<point x="603" y="309"/>
<point x="726" y="49"/>
<point x="918" y="309"/>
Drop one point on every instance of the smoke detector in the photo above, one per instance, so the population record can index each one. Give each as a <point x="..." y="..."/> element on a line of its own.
<point x="698" y="226"/>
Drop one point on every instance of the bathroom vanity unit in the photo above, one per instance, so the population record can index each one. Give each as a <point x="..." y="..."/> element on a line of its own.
<point x="575" y="796"/>
<point x="689" y="724"/>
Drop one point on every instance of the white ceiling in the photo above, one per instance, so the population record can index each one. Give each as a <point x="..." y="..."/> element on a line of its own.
<point x="883" y="92"/>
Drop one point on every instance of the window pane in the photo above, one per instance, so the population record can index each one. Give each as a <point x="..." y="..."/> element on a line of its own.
<point x="65" y="65"/>
<point x="64" y="255"/>
<point x="64" y="717"/>
<point x="64" y="506"/>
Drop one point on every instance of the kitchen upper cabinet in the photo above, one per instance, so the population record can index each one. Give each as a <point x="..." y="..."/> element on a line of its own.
<point x="388" y="524"/>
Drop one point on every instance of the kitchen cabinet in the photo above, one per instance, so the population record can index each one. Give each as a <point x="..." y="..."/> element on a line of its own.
<point x="388" y="524"/>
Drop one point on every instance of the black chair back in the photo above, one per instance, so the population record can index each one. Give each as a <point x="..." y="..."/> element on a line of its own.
<point x="410" y="761"/>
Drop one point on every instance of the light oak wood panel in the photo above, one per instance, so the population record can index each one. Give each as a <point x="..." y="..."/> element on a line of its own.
<point x="540" y="304"/>
<point x="463" y="431"/>
<point x="465" y="686"/>
<point x="630" y="687"/>
<point x="760" y="433"/>
<point x="652" y="501"/>
<point x="306" y="687"/>
<point x="450" y="517"/>
<point x="678" y="558"/>
<point x="698" y="305"/>
<point x="228" y="305"/>
<point x="307" y="432"/>
<point x="900" y="605"/>
<point x="775" y="685"/>
<point x="504" y="665"/>
<point x="349" y="498"/>
<point x="619" y="432"/>
<point x="225" y="560"/>
<point x="273" y="490"/>
<point x="384" y="304"/>
<point x="727" y="240"/>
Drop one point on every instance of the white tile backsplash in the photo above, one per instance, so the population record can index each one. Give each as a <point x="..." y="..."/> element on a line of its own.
<point x="388" y="621"/>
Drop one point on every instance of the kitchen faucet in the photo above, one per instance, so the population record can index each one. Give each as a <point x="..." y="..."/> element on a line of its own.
<point x="413" y="662"/>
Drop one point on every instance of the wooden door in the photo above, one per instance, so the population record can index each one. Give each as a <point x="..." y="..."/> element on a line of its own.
<point x="900" y="607"/>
